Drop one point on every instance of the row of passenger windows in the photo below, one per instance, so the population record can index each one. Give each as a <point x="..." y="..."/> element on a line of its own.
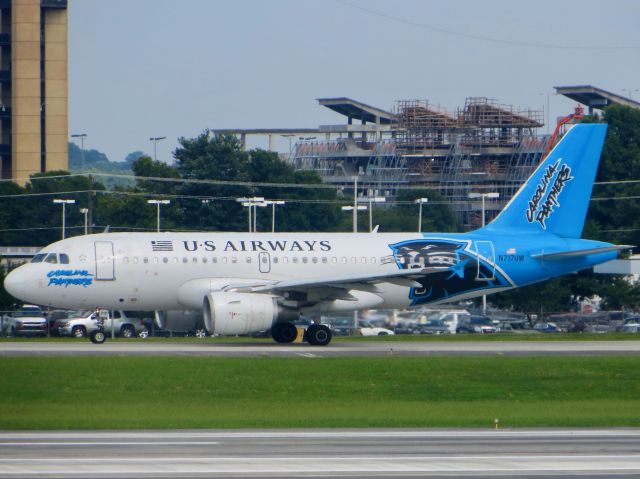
<point x="249" y="260"/>
<point x="52" y="258"/>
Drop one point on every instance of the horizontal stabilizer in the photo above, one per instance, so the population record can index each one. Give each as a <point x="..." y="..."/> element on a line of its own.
<point x="579" y="252"/>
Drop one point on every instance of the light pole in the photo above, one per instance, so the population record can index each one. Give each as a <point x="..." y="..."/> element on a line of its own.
<point x="64" y="204"/>
<point x="273" y="204"/>
<point x="371" y="200"/>
<point x="355" y="216"/>
<point x="491" y="195"/>
<point x="155" y="140"/>
<point x="483" y="196"/>
<point x="420" y="202"/>
<point x="82" y="136"/>
<point x="289" y="136"/>
<point x="629" y="91"/>
<point x="252" y="203"/>
<point x="85" y="212"/>
<point x="158" y="203"/>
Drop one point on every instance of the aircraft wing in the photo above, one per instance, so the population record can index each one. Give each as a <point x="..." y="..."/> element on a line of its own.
<point x="366" y="282"/>
<point x="579" y="252"/>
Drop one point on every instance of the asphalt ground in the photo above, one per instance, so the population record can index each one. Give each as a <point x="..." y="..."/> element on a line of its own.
<point x="335" y="349"/>
<point x="323" y="453"/>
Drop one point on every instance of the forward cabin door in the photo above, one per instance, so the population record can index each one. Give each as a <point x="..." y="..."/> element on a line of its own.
<point x="105" y="267"/>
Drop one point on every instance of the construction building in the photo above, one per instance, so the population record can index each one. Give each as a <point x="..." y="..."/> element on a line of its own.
<point x="483" y="147"/>
<point x="475" y="157"/>
<point x="33" y="87"/>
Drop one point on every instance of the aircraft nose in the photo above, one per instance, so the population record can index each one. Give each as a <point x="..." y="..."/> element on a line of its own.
<point x="15" y="283"/>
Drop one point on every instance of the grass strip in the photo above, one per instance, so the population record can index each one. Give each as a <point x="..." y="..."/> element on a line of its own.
<point x="212" y="392"/>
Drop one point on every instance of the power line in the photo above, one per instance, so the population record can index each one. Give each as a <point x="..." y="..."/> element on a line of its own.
<point x="256" y="184"/>
<point x="469" y="36"/>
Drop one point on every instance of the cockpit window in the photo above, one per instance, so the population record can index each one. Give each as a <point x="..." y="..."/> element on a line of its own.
<point x="38" y="258"/>
<point x="51" y="258"/>
<point x="64" y="258"/>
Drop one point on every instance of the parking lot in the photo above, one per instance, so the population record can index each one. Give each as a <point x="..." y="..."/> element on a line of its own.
<point x="32" y="321"/>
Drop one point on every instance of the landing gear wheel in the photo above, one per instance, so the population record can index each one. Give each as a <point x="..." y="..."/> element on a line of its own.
<point x="98" y="337"/>
<point x="318" y="335"/>
<point x="201" y="333"/>
<point x="284" y="332"/>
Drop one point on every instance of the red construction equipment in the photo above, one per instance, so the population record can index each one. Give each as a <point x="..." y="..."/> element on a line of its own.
<point x="576" y="115"/>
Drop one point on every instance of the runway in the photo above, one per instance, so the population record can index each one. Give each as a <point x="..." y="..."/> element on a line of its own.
<point x="337" y="348"/>
<point x="330" y="453"/>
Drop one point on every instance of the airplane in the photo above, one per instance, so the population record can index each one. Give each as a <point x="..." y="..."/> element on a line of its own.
<point x="239" y="283"/>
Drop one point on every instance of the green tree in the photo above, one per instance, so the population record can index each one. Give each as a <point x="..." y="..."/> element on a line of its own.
<point x="614" y="212"/>
<point x="145" y="166"/>
<point x="551" y="296"/>
<point x="13" y="213"/>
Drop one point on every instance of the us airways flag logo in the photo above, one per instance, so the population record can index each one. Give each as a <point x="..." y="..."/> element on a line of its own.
<point x="162" y="245"/>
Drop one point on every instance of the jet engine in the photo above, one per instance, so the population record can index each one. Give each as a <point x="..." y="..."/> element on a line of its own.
<point x="242" y="313"/>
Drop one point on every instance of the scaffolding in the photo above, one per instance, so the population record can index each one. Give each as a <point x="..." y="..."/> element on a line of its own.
<point x="485" y="146"/>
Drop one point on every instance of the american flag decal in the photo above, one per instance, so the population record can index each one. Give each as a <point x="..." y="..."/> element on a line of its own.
<point x="162" y="245"/>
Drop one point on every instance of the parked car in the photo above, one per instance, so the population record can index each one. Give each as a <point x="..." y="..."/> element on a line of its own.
<point x="632" y="326"/>
<point x="368" y="329"/>
<point x="454" y="318"/>
<point x="80" y="324"/>
<point x="477" y="324"/>
<point x="407" y="326"/>
<point x="27" y="321"/>
<point x="546" y="327"/>
<point x="55" y="316"/>
<point x="434" y="326"/>
<point x="515" y="326"/>
<point x="340" y="326"/>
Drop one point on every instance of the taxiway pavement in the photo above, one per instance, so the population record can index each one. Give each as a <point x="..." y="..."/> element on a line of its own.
<point x="354" y="348"/>
<point x="323" y="453"/>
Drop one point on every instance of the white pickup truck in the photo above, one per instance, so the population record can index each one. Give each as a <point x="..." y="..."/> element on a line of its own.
<point x="27" y="321"/>
<point x="81" y="324"/>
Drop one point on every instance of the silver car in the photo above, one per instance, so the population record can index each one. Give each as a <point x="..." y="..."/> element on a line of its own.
<point x="81" y="323"/>
<point x="27" y="321"/>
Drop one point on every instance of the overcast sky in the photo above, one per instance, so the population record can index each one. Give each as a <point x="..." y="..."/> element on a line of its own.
<point x="142" y="68"/>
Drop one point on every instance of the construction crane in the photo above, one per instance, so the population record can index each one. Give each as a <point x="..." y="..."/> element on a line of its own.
<point x="576" y="115"/>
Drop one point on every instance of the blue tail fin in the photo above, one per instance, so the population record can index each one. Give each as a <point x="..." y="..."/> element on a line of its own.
<point x="556" y="196"/>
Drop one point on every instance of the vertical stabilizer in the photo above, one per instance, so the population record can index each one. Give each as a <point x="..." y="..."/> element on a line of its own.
<point x="556" y="196"/>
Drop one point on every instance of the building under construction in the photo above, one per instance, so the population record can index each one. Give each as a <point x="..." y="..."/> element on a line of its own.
<point x="483" y="147"/>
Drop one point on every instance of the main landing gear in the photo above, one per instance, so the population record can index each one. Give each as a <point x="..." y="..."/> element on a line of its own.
<point x="316" y="334"/>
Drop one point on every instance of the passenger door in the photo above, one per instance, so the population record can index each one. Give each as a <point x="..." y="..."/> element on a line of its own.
<point x="105" y="267"/>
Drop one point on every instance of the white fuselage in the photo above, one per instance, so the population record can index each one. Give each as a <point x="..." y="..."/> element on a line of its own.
<point x="169" y="271"/>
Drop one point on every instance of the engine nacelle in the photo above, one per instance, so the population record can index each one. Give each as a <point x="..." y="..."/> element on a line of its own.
<point x="179" y="320"/>
<point x="242" y="313"/>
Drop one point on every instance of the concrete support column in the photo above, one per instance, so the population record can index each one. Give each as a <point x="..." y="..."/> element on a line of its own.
<point x="243" y="141"/>
<point x="55" y="86"/>
<point x="272" y="146"/>
<point x="25" y="78"/>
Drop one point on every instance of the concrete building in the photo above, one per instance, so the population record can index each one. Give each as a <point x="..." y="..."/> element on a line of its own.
<point x="33" y="87"/>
